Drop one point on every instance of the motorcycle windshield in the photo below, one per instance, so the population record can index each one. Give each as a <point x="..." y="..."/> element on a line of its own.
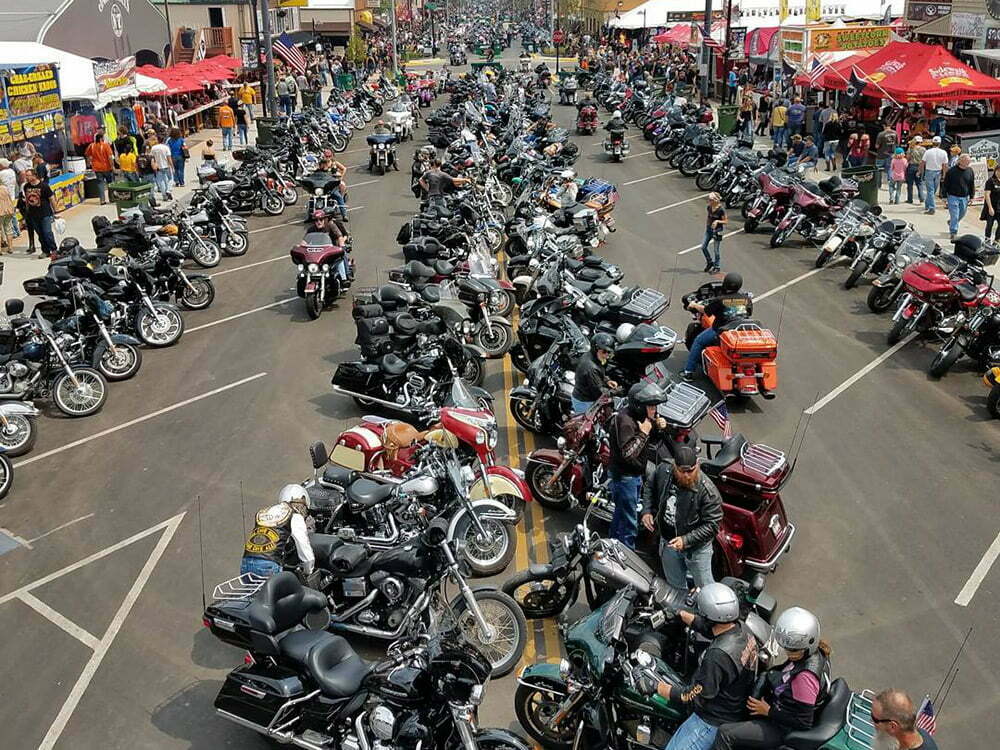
<point x="916" y="246"/>
<point x="461" y="395"/>
<point x="481" y="264"/>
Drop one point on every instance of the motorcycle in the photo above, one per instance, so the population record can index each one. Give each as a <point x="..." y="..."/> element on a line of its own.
<point x="543" y="402"/>
<point x="18" y="427"/>
<point x="977" y="337"/>
<point x="777" y="188"/>
<point x="854" y="226"/>
<point x="382" y="151"/>
<point x="616" y="146"/>
<point x="876" y="254"/>
<point x="305" y="687"/>
<point x="586" y="120"/>
<point x="812" y="210"/>
<point x="325" y="271"/>
<point x="888" y="286"/>
<point x="567" y="90"/>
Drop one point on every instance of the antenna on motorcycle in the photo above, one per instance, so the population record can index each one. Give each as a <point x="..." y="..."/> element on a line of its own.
<point x="949" y="676"/>
<point x="793" y="448"/>
<point x="201" y="550"/>
<point x="673" y="278"/>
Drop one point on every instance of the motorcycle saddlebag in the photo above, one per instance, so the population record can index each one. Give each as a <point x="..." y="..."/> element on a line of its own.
<point x="369" y="329"/>
<point x="255" y="692"/>
<point x="356" y="376"/>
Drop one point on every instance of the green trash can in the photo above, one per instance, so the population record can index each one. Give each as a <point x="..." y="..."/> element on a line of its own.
<point x="867" y="177"/>
<point x="265" y="129"/>
<point x="129" y="194"/>
<point x="727" y="118"/>
<point x="344" y="81"/>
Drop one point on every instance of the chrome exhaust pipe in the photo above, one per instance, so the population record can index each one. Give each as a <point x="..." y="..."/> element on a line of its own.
<point x="393" y="404"/>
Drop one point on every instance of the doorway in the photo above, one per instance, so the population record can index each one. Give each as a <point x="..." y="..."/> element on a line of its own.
<point x="215" y="19"/>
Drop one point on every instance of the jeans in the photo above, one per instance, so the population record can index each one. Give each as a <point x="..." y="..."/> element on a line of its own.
<point x="161" y="179"/>
<point x="43" y="228"/>
<point x="579" y="407"/>
<point x="708" y="337"/>
<point x="132" y="176"/>
<point x="912" y="178"/>
<point x="756" y="734"/>
<point x="103" y="180"/>
<point x="855" y="161"/>
<point x="794" y="128"/>
<point x="830" y="151"/>
<point x="341" y="203"/>
<point x="956" y="211"/>
<point x="693" y="734"/>
<point x="711" y="236"/>
<point x="179" y="171"/>
<point x="931" y="182"/>
<point x="244" y="134"/>
<point x="227" y="139"/>
<point x="895" y="189"/>
<point x="780" y="136"/>
<point x="261" y="566"/>
<point x="625" y="496"/>
<point x="678" y="565"/>
<point x="287" y="103"/>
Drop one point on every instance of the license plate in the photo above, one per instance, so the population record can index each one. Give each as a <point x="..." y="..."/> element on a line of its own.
<point x="775" y="525"/>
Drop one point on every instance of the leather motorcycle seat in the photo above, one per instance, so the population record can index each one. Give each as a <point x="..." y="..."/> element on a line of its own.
<point x="443" y="267"/>
<point x="728" y="454"/>
<point x="321" y="497"/>
<point x="405" y="324"/>
<point x="296" y="645"/>
<point x="829" y="721"/>
<point x="395" y="294"/>
<point x="323" y="546"/>
<point x="338" y="475"/>
<point x="366" y="493"/>
<point x="967" y="290"/>
<point x="431" y="293"/>
<point x="281" y="603"/>
<point x="417" y="270"/>
<point x="392" y="365"/>
<point x="336" y="668"/>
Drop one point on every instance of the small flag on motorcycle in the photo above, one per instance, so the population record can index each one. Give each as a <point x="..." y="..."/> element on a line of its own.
<point x="720" y="415"/>
<point x="926" y="719"/>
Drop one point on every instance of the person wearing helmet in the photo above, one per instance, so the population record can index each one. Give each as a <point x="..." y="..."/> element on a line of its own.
<point x="731" y="306"/>
<point x="685" y="507"/>
<point x="721" y="684"/>
<point x="792" y="691"/>
<point x="616" y="125"/>
<point x="629" y="433"/>
<point x="566" y="191"/>
<point x="591" y="379"/>
<point x="276" y="530"/>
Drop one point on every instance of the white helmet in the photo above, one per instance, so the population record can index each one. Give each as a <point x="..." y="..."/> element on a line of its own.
<point x="623" y="332"/>
<point x="797" y="629"/>
<point x="718" y="603"/>
<point x="567" y="174"/>
<point x="616" y="113"/>
<point x="294" y="494"/>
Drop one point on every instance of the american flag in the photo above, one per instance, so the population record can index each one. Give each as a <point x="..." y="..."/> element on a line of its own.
<point x="926" y="719"/>
<point x="816" y="74"/>
<point x="720" y="415"/>
<point x="707" y="38"/>
<point x="285" y="48"/>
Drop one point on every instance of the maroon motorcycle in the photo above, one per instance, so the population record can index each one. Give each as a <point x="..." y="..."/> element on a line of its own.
<point x="813" y="210"/>
<point x="325" y="270"/>
<point x="777" y="188"/>
<point x="586" y="120"/>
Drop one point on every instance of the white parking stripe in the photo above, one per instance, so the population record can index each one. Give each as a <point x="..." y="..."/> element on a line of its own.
<point x="976" y="579"/>
<point x="651" y="177"/>
<point x="248" y="265"/>
<point x="297" y="221"/>
<point x="641" y="153"/>
<point x="698" y="246"/>
<point x="678" y="203"/>
<point x="60" y="620"/>
<point x="203" y="326"/>
<point x="137" y="420"/>
<point x="859" y="374"/>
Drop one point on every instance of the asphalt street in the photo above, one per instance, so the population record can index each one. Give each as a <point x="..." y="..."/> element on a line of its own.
<point x="123" y="522"/>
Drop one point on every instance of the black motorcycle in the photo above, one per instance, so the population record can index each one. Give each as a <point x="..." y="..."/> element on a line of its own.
<point x="544" y="401"/>
<point x="228" y="230"/>
<point x="171" y="283"/>
<point x="306" y="687"/>
<point x="977" y="337"/>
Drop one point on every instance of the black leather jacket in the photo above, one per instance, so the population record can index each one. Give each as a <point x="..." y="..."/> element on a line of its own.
<point x="591" y="379"/>
<point x="615" y="126"/>
<point x="697" y="512"/>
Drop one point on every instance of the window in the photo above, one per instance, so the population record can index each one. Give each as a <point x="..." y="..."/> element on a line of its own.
<point x="215" y="18"/>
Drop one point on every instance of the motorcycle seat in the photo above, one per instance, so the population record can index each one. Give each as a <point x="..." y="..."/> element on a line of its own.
<point x="417" y="270"/>
<point x="366" y="493"/>
<point x="968" y="291"/>
<point x="728" y="454"/>
<point x="405" y="324"/>
<point x="321" y="497"/>
<point x="338" y="475"/>
<point x="395" y="294"/>
<point x="336" y="668"/>
<point x="392" y="365"/>
<point x="281" y="603"/>
<point x="443" y="267"/>
<point x="828" y="722"/>
<point x="296" y="645"/>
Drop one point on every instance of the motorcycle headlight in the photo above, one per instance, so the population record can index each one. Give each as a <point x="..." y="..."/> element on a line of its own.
<point x="313" y="268"/>
<point x="495" y="297"/>
<point x="902" y="262"/>
<point x="491" y="436"/>
<point x="317" y="191"/>
<point x="326" y="267"/>
<point x="383" y="722"/>
<point x="564" y="669"/>
<point x="301" y="267"/>
<point x="466" y="326"/>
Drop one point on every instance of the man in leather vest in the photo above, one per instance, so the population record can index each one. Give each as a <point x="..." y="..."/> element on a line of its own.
<point x="591" y="380"/>
<point x="792" y="691"/>
<point x="276" y="530"/>
<point x="721" y="684"/>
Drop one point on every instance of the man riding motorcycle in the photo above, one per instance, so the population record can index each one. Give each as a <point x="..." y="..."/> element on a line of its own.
<point x="323" y="222"/>
<point x="791" y="691"/>
<point x="267" y="548"/>
<point x="721" y="684"/>
<point x="380" y="129"/>
<point x="729" y="307"/>
<point x="591" y="379"/>
<point x="616" y="126"/>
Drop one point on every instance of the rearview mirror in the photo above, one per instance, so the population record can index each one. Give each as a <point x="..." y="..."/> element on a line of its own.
<point x="13" y="307"/>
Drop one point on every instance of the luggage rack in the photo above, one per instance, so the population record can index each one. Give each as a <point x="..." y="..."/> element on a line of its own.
<point x="648" y="303"/>
<point x="685" y="406"/>
<point x="763" y="458"/>
<point x="241" y="587"/>
<point x="860" y="728"/>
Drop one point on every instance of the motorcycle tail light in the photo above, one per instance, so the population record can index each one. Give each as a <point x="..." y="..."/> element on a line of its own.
<point x="207" y="622"/>
<point x="248" y="659"/>
<point x="736" y="540"/>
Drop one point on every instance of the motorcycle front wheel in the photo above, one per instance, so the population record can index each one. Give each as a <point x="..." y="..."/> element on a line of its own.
<point x="494" y="339"/>
<point x="120" y="364"/>
<point x="779" y="237"/>
<point x="18" y="436"/>
<point x="84" y="398"/>
<point x="750" y="225"/>
<point x="880" y="298"/>
<point x="822" y="258"/>
<point x="856" y="273"/>
<point x="206" y="253"/>
<point x="490" y="553"/>
<point x="162" y="329"/>
<point x="689" y="165"/>
<point x="199" y="296"/>
<point x="314" y="305"/>
<point x="535" y="708"/>
<point x="900" y="330"/>
<point x="945" y="359"/>
<point x="521" y="410"/>
<point x="272" y="204"/>
<point x="554" y="495"/>
<point x="705" y="180"/>
<point x="474" y="372"/>
<point x="538" y="596"/>
<point x="239" y="243"/>
<point x="510" y="628"/>
<point x="6" y="475"/>
<point x="289" y="195"/>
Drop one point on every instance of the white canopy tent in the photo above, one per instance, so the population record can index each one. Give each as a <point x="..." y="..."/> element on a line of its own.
<point x="654" y="13"/>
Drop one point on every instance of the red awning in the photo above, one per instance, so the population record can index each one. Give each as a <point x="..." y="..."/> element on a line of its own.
<point x="916" y="72"/>
<point x="679" y="35"/>
<point x="837" y="73"/>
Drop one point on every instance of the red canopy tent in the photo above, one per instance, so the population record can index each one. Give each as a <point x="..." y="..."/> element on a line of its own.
<point x="916" y="72"/>
<point x="836" y="74"/>
<point x="679" y="35"/>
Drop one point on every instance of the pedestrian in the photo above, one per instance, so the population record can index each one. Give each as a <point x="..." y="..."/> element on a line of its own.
<point x="809" y="156"/>
<point x="101" y="160"/>
<point x="38" y="206"/>
<point x="991" y="204"/>
<point x="859" y="152"/>
<point x="284" y="99"/>
<point x="894" y="716"/>
<point x="247" y="97"/>
<point x="628" y="434"/>
<point x="240" y="113"/>
<point x="823" y="116"/>
<point x="832" y="133"/>
<point x="932" y="169"/>
<point x="208" y="153"/>
<point x="227" y="121"/>
<point x="914" y="156"/>
<point x="732" y="81"/>
<point x="40" y="167"/>
<point x="796" y="116"/>
<point x="959" y="186"/>
<point x="8" y="177"/>
<point x="178" y="155"/>
<point x="8" y="221"/>
<point x="746" y="117"/>
<point x="779" y="124"/>
<point x="897" y="174"/>
<point x="764" y="114"/>
<point x="685" y="508"/>
<point x="162" y="163"/>
<point x="795" y="149"/>
<point x="127" y="163"/>
<point x="144" y="164"/>
<point x="302" y="84"/>
<point x="885" y="146"/>
<point x="715" y="225"/>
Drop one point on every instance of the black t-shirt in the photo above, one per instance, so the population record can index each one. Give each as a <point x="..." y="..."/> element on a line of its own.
<point x="959" y="182"/>
<point x="436" y="181"/>
<point x="993" y="188"/>
<point x="728" y="308"/>
<point x="720" y="686"/>
<point x="36" y="200"/>
<point x="714" y="214"/>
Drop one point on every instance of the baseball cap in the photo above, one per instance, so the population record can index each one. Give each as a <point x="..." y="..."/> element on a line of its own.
<point x="936" y="139"/>
<point x="899" y="150"/>
<point x="685" y="457"/>
<point x="917" y="139"/>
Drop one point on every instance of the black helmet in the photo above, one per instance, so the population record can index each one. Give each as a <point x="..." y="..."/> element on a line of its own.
<point x="642" y="395"/>
<point x="732" y="282"/>
<point x="604" y="342"/>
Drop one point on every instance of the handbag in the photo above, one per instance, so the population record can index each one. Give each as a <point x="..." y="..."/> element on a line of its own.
<point x="185" y="153"/>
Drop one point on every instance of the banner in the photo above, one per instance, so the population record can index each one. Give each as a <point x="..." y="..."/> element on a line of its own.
<point x="117" y="74"/>
<point x="30" y="104"/>
<point x="793" y="46"/>
<point x="849" y="39"/>
<point x="782" y="10"/>
<point x="814" y="11"/>
<point x="926" y="11"/>
<point x="968" y="25"/>
<point x="738" y="43"/>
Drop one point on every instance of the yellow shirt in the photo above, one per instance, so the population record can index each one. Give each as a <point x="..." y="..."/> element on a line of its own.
<point x="247" y="95"/>
<point x="779" y="116"/>
<point x="127" y="161"/>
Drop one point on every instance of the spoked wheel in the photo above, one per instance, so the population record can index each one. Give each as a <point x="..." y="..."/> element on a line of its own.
<point x="523" y="415"/>
<point x="84" y="397"/>
<point x="507" y="633"/>
<point x="289" y="195"/>
<point x="537" y="596"/>
<point x="900" y="330"/>
<point x="206" y="253"/>
<point x="199" y="295"/>
<point x="689" y="165"/>
<point x="6" y="475"/>
<point x="536" y="707"/>
<point x="474" y="372"/>
<point x="239" y="243"/>
<point x="162" y="329"/>
<point x="494" y="339"/>
<point x="504" y="306"/>
<point x="488" y="553"/>
<point x="120" y="363"/>
<point x="705" y="180"/>
<point x="551" y="494"/>
<point x="494" y="239"/>
<point x="18" y="435"/>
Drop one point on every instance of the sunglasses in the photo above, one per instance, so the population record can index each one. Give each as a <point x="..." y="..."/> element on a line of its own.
<point x="880" y="721"/>
<point x="686" y="469"/>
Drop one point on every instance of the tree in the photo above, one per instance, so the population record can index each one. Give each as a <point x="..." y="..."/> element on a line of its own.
<point x="357" y="48"/>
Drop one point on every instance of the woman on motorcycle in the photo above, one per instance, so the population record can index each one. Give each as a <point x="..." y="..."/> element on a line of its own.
<point x="791" y="692"/>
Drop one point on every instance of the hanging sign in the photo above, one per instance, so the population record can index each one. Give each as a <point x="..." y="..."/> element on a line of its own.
<point x="849" y="39"/>
<point x="30" y="104"/>
<point x="737" y="43"/>
<point x="117" y="74"/>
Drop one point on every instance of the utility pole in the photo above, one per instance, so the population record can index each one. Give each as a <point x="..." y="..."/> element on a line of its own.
<point x="269" y="96"/>
<point x="252" y="7"/>
<point x="558" y="40"/>
<point x="706" y="51"/>
<point x="392" y="27"/>
<point x="725" y="55"/>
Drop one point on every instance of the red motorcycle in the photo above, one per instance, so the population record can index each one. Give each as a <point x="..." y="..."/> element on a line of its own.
<point x="813" y="210"/>
<point x="777" y="189"/>
<point x="755" y="531"/>
<point x="325" y="271"/>
<point x="586" y="120"/>
<point x="940" y="292"/>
